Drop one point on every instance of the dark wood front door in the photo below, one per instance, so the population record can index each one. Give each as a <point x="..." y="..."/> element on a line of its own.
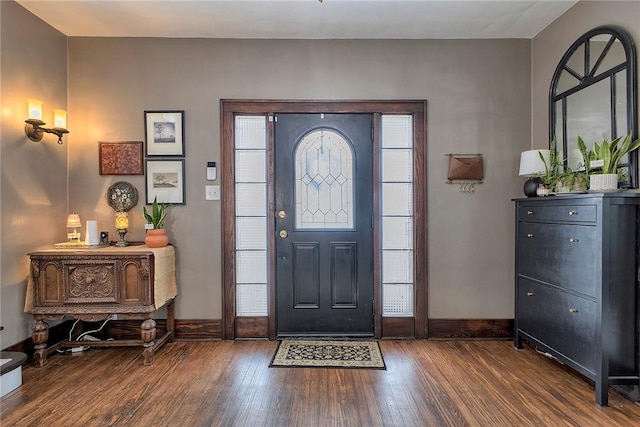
<point x="324" y="219"/>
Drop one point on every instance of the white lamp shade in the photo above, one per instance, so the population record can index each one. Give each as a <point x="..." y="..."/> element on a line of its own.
<point x="35" y="109"/>
<point x="59" y="119"/>
<point x="73" y="220"/>
<point x="531" y="164"/>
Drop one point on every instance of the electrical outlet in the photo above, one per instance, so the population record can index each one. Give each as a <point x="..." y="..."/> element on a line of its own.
<point x="212" y="192"/>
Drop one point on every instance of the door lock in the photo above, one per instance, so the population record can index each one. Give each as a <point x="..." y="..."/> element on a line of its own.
<point x="283" y="234"/>
<point x="282" y="214"/>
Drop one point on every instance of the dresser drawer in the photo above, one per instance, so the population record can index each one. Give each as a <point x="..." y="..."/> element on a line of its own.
<point x="558" y="212"/>
<point x="563" y="321"/>
<point x="559" y="254"/>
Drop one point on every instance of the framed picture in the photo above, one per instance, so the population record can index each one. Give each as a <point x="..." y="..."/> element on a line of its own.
<point x="120" y="158"/>
<point x="164" y="133"/>
<point x="165" y="179"/>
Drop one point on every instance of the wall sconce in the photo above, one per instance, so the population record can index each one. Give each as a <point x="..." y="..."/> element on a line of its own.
<point x="34" y="123"/>
<point x="73" y="222"/>
<point x="122" y="223"/>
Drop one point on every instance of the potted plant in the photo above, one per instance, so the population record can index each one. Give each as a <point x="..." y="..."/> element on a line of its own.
<point x="156" y="237"/>
<point x="551" y="171"/>
<point x="571" y="181"/>
<point x="603" y="161"/>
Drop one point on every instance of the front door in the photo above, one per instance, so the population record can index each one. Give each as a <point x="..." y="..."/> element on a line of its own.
<point x="324" y="224"/>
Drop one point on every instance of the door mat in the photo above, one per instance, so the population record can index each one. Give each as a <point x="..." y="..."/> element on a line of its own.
<point x="328" y="354"/>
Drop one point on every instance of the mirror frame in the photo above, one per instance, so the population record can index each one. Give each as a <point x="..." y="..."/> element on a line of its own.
<point x="587" y="79"/>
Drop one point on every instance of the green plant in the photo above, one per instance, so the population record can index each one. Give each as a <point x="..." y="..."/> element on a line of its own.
<point x="551" y="169"/>
<point x="158" y="213"/>
<point x="611" y="153"/>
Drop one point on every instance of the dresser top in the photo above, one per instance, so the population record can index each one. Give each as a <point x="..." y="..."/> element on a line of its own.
<point x="626" y="194"/>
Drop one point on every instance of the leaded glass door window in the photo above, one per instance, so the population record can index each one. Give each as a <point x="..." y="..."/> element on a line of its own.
<point x="324" y="181"/>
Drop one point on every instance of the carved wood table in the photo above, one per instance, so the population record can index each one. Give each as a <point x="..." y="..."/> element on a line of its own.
<point x="94" y="284"/>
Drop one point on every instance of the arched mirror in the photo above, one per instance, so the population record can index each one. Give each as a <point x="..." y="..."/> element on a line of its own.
<point x="593" y="95"/>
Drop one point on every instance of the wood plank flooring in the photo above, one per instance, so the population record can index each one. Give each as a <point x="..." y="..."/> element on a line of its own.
<point x="229" y="383"/>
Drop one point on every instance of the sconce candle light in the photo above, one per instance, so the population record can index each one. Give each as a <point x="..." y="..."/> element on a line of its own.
<point x="34" y="124"/>
<point x="122" y="223"/>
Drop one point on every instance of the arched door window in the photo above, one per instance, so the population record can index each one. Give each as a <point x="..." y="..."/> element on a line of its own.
<point x="324" y="181"/>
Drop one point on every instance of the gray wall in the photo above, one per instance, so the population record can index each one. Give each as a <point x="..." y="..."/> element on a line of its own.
<point x="550" y="44"/>
<point x="33" y="175"/>
<point x="479" y="101"/>
<point x="486" y="96"/>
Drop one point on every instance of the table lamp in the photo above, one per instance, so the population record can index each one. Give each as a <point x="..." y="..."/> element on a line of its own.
<point x="73" y="222"/>
<point x="531" y="165"/>
<point x="122" y="223"/>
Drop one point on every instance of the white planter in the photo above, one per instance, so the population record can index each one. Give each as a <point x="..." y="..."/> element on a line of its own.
<point x="603" y="182"/>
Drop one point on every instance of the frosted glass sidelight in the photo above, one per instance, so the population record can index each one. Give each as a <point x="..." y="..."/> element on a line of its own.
<point x="253" y="266"/>
<point x="251" y="215"/>
<point x="251" y="166"/>
<point x="397" y="165"/>
<point x="250" y="132"/>
<point x="397" y="199"/>
<point x="397" y="131"/>
<point x="251" y="233"/>
<point x="251" y="299"/>
<point x="396" y="173"/>
<point x="397" y="266"/>
<point x="398" y="300"/>
<point x="324" y="181"/>
<point x="251" y="199"/>
<point x="397" y="232"/>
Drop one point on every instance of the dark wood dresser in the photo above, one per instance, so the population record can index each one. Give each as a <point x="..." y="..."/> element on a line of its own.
<point x="577" y="283"/>
<point x="97" y="284"/>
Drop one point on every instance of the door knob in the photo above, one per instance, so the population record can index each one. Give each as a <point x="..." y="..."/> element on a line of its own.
<point x="282" y="214"/>
<point x="283" y="234"/>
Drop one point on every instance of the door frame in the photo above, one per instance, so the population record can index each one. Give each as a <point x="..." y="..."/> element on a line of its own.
<point x="265" y="327"/>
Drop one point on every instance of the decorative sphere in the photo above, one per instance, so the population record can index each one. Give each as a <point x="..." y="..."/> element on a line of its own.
<point x="530" y="187"/>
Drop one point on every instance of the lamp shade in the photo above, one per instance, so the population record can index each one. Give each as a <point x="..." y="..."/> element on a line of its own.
<point x="73" y="220"/>
<point x="35" y="109"/>
<point x="531" y="164"/>
<point x="59" y="119"/>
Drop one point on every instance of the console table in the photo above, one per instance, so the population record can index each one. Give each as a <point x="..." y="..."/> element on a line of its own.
<point x="95" y="284"/>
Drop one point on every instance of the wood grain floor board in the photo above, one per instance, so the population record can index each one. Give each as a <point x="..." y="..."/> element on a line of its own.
<point x="229" y="383"/>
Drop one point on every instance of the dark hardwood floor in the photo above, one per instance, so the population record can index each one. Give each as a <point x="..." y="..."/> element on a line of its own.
<point x="229" y="383"/>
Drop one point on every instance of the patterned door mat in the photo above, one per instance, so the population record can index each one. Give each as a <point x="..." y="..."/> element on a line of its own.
<point x="328" y="354"/>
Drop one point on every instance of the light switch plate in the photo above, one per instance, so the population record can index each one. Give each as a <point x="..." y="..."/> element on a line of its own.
<point x="212" y="192"/>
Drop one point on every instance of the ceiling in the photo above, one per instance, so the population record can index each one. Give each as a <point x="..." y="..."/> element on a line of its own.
<point x="301" y="19"/>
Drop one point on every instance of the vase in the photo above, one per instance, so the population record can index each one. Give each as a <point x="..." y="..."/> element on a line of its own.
<point x="543" y="190"/>
<point x="156" y="238"/>
<point x="603" y="182"/>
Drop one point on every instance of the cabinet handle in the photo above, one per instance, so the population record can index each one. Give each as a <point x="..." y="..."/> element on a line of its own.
<point x="573" y="310"/>
<point x="530" y="294"/>
<point x="530" y="235"/>
<point x="573" y="240"/>
<point x="530" y="212"/>
<point x="572" y="213"/>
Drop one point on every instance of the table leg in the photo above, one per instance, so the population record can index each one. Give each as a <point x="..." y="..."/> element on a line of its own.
<point x="40" y="335"/>
<point x="148" y="333"/>
<point x="171" y="320"/>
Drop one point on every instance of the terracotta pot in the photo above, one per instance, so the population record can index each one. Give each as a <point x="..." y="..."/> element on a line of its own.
<point x="156" y="238"/>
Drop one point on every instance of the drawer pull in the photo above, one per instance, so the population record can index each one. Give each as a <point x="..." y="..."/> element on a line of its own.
<point x="530" y="212"/>
<point x="530" y="294"/>
<point x="530" y="235"/>
<point x="572" y="213"/>
<point x="573" y="310"/>
<point x="573" y="240"/>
